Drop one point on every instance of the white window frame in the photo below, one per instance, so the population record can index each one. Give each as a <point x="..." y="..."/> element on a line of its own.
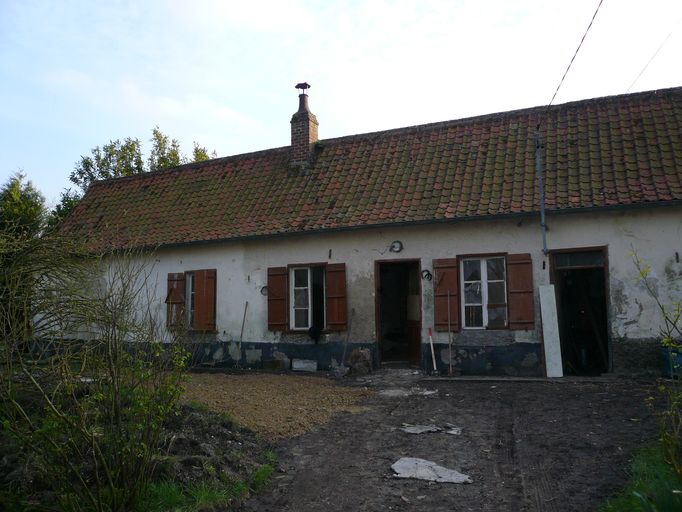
<point x="292" y="295"/>
<point x="293" y="288"/>
<point x="484" y="291"/>
<point x="189" y="299"/>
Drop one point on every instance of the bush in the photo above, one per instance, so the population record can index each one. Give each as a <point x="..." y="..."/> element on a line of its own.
<point x="87" y="384"/>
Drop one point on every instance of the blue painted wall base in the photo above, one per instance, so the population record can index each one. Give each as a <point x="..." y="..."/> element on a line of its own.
<point x="275" y="356"/>
<point x="515" y="359"/>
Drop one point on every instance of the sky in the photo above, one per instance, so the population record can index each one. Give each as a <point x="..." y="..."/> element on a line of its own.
<point x="78" y="74"/>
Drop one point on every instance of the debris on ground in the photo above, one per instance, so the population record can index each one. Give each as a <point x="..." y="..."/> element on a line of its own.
<point x="452" y="430"/>
<point x="273" y="405"/>
<point x="422" y="469"/>
<point x="419" y="429"/>
<point x="360" y="361"/>
<point x="423" y="429"/>
<point x="402" y="392"/>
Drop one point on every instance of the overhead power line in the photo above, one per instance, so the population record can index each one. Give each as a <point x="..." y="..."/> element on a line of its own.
<point x="654" y="55"/>
<point x="576" y="53"/>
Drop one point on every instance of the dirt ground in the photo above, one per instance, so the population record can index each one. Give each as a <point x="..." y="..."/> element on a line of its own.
<point x="528" y="446"/>
<point x="274" y="406"/>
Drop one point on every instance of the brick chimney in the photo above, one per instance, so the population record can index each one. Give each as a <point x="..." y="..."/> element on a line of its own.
<point x="303" y="131"/>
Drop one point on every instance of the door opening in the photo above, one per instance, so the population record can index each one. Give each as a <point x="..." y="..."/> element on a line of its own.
<point x="580" y="281"/>
<point x="399" y="311"/>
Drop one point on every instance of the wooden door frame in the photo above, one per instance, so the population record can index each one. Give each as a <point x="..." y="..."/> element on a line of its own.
<point x="377" y="299"/>
<point x="604" y="249"/>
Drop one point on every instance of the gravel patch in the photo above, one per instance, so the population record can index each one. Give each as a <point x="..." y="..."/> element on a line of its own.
<point x="272" y="405"/>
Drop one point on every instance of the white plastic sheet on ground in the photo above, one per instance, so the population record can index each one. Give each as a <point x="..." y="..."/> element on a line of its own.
<point x="419" y="429"/>
<point x="421" y="469"/>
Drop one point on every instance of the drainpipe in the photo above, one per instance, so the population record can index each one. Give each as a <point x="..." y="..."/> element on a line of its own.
<point x="539" y="170"/>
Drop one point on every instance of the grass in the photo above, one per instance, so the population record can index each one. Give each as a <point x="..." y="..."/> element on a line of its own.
<point x="170" y="496"/>
<point x="653" y="486"/>
<point x="260" y="477"/>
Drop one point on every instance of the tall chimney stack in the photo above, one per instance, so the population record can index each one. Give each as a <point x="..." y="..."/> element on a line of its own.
<point x="303" y="130"/>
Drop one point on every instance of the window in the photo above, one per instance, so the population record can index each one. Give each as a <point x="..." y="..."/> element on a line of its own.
<point x="484" y="293"/>
<point x="479" y="292"/>
<point x="307" y="299"/>
<point x="191" y="300"/>
<point x="301" y="297"/>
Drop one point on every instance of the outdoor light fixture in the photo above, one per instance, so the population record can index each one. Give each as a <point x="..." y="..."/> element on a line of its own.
<point x="396" y="246"/>
<point x="427" y="275"/>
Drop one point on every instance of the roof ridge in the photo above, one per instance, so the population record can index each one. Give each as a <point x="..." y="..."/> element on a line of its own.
<point x="396" y="131"/>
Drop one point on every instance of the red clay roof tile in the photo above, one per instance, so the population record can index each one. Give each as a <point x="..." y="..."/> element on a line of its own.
<point x="619" y="150"/>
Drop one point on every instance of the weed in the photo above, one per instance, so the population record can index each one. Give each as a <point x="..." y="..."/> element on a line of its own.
<point x="270" y="457"/>
<point x="653" y="485"/>
<point x="261" y="476"/>
<point x="167" y="495"/>
<point x="198" y="406"/>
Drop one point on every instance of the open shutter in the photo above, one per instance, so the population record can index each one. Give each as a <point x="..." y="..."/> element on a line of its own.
<point x="446" y="278"/>
<point x="520" y="290"/>
<point x="337" y="316"/>
<point x="175" y="300"/>
<point x="277" y="299"/>
<point x="204" y="300"/>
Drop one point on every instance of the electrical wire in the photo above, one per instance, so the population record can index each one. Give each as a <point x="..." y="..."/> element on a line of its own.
<point x="654" y="55"/>
<point x="576" y="53"/>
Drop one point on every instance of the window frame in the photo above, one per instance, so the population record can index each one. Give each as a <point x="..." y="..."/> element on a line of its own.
<point x="190" y="296"/>
<point x="190" y="313"/>
<point x="485" y="303"/>
<point x="291" y="285"/>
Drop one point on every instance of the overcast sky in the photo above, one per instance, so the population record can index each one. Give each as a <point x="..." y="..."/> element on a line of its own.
<point x="77" y="74"/>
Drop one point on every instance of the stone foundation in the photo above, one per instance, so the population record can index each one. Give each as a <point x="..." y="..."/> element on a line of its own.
<point x="636" y="356"/>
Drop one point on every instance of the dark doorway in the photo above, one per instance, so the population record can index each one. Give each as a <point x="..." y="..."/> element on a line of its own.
<point x="580" y="281"/>
<point x="399" y="311"/>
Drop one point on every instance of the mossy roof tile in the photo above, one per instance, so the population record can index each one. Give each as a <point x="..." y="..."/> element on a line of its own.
<point x="618" y="150"/>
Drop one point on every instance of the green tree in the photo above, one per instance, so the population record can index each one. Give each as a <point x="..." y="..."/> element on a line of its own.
<point x="200" y="153"/>
<point x="68" y="200"/>
<point x="165" y="151"/>
<point x="112" y="160"/>
<point x="22" y="207"/>
<point x="122" y="158"/>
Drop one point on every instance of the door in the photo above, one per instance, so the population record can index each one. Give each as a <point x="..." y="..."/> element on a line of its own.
<point x="579" y="277"/>
<point x="399" y="311"/>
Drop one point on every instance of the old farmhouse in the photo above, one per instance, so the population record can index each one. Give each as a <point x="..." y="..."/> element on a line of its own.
<point x="375" y="240"/>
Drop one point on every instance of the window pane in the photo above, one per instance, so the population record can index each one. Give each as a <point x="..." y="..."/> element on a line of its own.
<point x="579" y="259"/>
<point x="472" y="293"/>
<point x="472" y="270"/>
<point x="496" y="293"/>
<point x="473" y="316"/>
<point x="495" y="269"/>
<point x="300" y="277"/>
<point x="497" y="317"/>
<point x="301" y="298"/>
<point x="301" y="318"/>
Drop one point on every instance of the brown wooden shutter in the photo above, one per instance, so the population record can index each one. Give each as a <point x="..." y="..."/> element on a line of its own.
<point x="204" y="300"/>
<point x="277" y="299"/>
<point x="446" y="277"/>
<point x="520" y="291"/>
<point x="337" y="315"/>
<point x="175" y="300"/>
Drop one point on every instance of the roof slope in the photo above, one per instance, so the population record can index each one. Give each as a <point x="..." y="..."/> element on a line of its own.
<point x="619" y="150"/>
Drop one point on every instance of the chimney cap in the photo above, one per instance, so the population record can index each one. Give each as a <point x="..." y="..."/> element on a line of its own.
<point x="303" y="86"/>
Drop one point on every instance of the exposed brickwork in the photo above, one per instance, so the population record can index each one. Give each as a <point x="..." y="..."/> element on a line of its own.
<point x="303" y="134"/>
<point x="615" y="151"/>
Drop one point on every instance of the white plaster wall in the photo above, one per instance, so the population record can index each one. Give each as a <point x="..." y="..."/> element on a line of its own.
<point x="655" y="235"/>
<point x="242" y="266"/>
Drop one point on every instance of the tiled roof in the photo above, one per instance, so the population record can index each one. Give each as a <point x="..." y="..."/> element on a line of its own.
<point x="605" y="152"/>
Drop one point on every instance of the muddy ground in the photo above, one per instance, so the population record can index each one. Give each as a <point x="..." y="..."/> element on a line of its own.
<point x="528" y="446"/>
